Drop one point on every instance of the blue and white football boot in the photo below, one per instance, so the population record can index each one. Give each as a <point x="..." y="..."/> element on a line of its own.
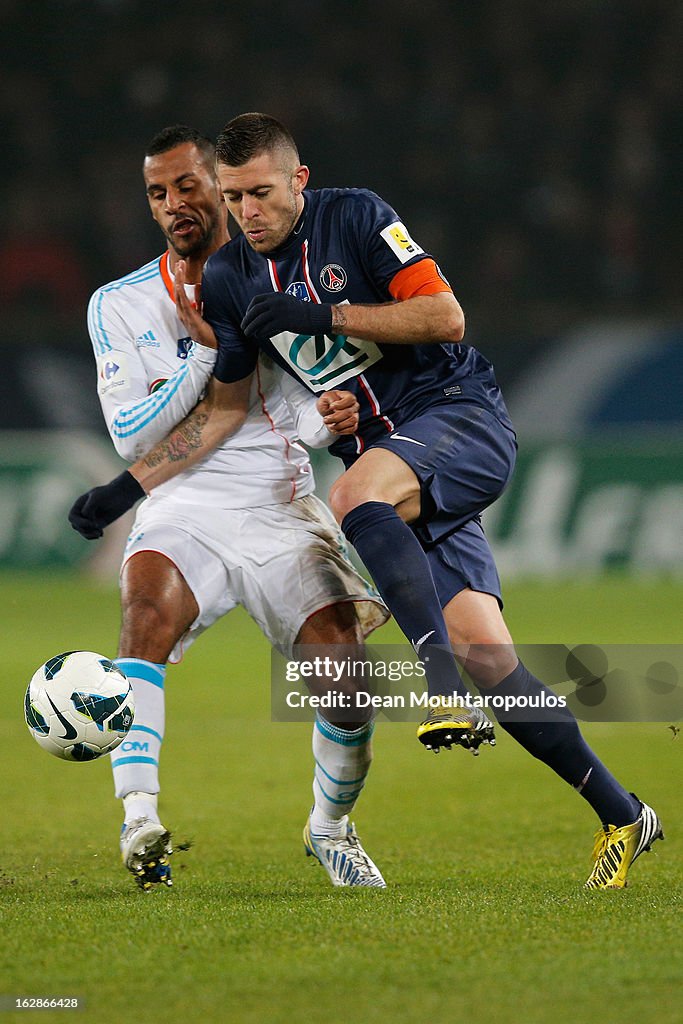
<point x="344" y="859"/>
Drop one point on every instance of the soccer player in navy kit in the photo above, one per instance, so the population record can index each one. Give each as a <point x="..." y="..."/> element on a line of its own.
<point x="331" y="284"/>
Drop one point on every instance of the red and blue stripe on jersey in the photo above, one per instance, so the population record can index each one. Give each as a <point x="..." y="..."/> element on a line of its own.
<point x="338" y="253"/>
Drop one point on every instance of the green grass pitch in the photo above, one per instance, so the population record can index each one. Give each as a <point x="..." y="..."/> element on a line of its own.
<point x="484" y="919"/>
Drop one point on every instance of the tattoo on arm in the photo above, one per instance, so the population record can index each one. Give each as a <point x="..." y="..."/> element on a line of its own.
<point x="338" y="316"/>
<point x="180" y="445"/>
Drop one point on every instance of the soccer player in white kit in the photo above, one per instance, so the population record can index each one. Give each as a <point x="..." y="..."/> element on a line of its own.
<point x="241" y="527"/>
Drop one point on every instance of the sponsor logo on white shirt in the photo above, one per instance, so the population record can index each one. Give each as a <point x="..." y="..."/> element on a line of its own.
<point x="147" y="340"/>
<point x="112" y="372"/>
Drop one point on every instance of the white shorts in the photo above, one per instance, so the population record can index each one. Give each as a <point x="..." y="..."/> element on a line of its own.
<point x="282" y="563"/>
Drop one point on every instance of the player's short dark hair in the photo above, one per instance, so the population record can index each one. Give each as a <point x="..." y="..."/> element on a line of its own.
<point x="249" y="135"/>
<point x="176" y="135"/>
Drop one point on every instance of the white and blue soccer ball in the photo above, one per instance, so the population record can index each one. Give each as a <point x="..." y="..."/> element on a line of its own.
<point x="79" y="706"/>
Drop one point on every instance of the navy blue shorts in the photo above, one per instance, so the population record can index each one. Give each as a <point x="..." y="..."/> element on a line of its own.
<point x="463" y="457"/>
<point x="464" y="559"/>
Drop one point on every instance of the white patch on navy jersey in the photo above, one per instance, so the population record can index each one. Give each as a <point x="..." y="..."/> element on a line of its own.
<point x="399" y="241"/>
<point x="112" y="372"/>
<point x="325" y="361"/>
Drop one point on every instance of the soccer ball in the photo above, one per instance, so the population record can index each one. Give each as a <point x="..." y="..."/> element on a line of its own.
<point x="79" y="705"/>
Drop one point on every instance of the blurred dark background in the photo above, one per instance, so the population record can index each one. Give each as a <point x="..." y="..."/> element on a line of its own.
<point x="534" y="147"/>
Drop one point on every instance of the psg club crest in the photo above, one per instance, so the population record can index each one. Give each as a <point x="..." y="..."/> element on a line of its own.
<point x="333" y="278"/>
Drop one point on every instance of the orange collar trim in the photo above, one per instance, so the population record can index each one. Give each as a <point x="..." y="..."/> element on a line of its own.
<point x="165" y="272"/>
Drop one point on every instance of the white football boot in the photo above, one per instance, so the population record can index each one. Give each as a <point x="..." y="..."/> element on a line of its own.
<point x="344" y="859"/>
<point x="145" y="849"/>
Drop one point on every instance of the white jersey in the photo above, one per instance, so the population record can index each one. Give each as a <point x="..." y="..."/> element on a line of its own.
<point x="150" y="374"/>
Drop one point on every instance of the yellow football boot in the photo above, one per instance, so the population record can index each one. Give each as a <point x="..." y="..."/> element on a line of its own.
<point x="447" y="726"/>
<point x="616" y="849"/>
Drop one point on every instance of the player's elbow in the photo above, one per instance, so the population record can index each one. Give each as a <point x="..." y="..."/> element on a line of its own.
<point x="127" y="447"/>
<point x="459" y="326"/>
<point x="454" y="328"/>
<point x="447" y="318"/>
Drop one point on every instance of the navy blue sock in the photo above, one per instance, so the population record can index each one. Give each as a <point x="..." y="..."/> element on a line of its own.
<point x="401" y="572"/>
<point x="552" y="735"/>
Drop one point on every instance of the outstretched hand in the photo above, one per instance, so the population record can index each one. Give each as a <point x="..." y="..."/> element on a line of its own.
<point x="339" y="410"/>
<point x="189" y="312"/>
<point x="100" y="506"/>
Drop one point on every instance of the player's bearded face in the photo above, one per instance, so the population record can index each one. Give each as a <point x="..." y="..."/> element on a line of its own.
<point x="184" y="199"/>
<point x="264" y="197"/>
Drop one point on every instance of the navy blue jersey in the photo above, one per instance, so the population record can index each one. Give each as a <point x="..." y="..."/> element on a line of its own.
<point x="347" y="246"/>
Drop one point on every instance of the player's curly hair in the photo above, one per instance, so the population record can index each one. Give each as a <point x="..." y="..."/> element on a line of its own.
<point x="248" y="135"/>
<point x="176" y="135"/>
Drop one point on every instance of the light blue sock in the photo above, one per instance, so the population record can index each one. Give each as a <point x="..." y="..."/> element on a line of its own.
<point x="135" y="762"/>
<point x="342" y="761"/>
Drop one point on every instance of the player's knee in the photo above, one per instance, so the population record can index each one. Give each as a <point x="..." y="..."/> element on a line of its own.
<point x="343" y="498"/>
<point x="347" y="494"/>
<point x="485" y="659"/>
<point x="334" y="624"/>
<point x="148" y="625"/>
